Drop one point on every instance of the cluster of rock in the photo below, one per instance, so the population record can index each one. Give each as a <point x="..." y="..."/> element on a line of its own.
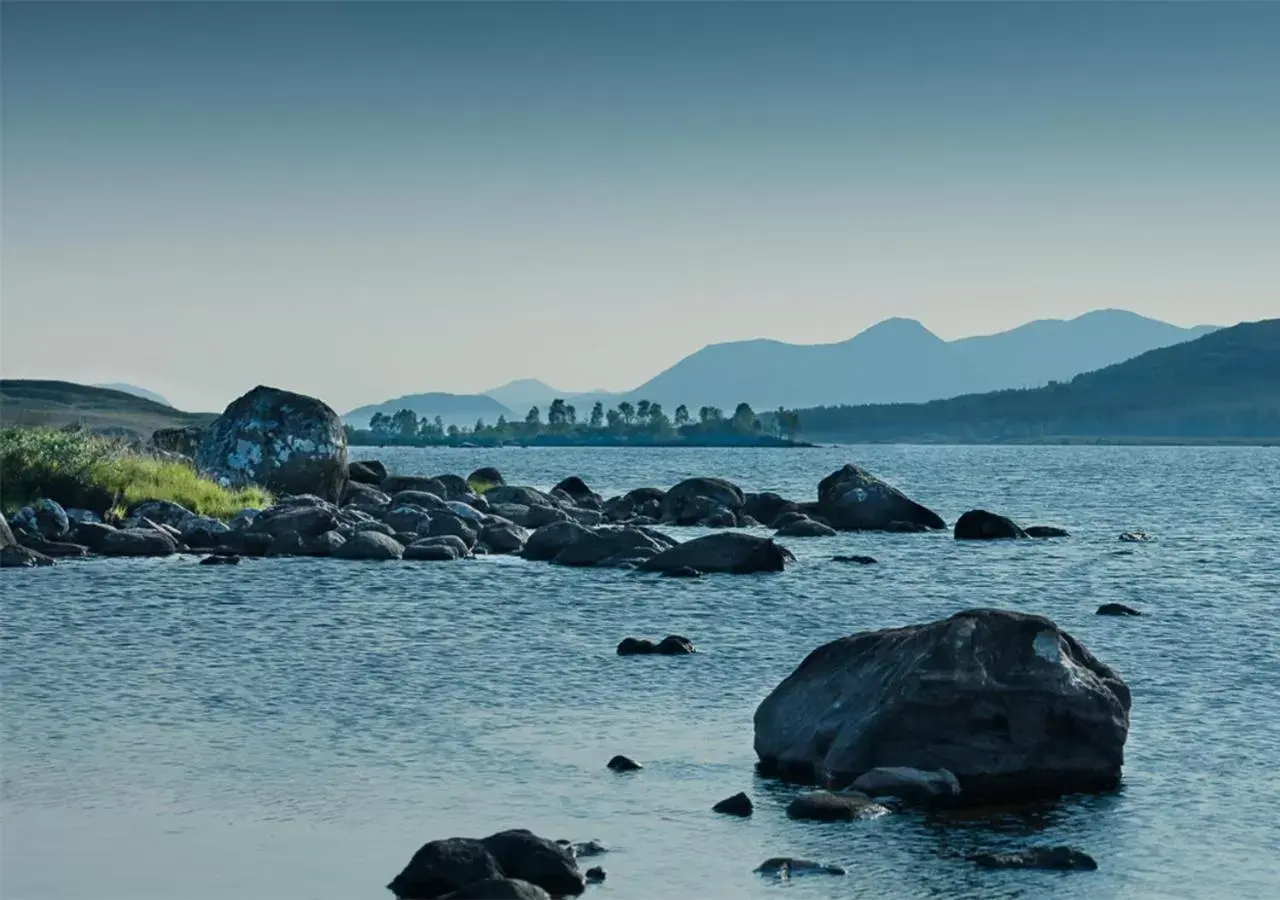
<point x="510" y="864"/>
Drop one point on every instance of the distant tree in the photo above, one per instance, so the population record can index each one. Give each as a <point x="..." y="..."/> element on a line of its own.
<point x="571" y="415"/>
<point x="502" y="426"/>
<point x="709" y="415"/>
<point x="556" y="415"/>
<point x="532" y="419"/>
<point x="627" y="411"/>
<point x="614" y="418"/>
<point x="405" y="423"/>
<point x="439" y="425"/>
<point x="682" y="415"/>
<point x="454" y="431"/>
<point x="658" y="421"/>
<point x="744" y="419"/>
<point x="597" y="415"/>
<point x="479" y="426"/>
<point x="380" y="423"/>
<point x="642" y="410"/>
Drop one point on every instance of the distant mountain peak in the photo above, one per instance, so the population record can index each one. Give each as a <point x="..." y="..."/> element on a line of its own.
<point x="135" y="391"/>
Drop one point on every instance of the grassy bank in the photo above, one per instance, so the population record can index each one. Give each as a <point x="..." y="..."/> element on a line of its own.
<point x="80" y="469"/>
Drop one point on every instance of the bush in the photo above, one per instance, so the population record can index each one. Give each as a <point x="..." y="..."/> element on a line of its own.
<point x="79" y="469"/>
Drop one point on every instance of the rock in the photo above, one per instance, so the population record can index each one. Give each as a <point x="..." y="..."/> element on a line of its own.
<point x="138" y="542"/>
<point x="1056" y="858"/>
<point x="512" y="512"/>
<point x="685" y="504"/>
<point x="366" y="471"/>
<point x="624" y="764"/>
<point x="394" y="484"/>
<point x="538" y="516"/>
<point x="524" y="496"/>
<point x="7" y="538"/>
<point x="549" y="541"/>
<point x="466" y="511"/>
<point x="1008" y="702"/>
<point x="144" y="522"/>
<point x="726" y="552"/>
<point x="910" y="785"/>
<point x="504" y="537"/>
<point x="163" y="512"/>
<point x="92" y="535"/>
<point x="522" y="854"/>
<point x="445" y="524"/>
<point x="51" y="519"/>
<point x="328" y="544"/>
<point x="857" y="560"/>
<point x="15" y="556"/>
<point x="407" y="518"/>
<point x="682" y="572"/>
<point x="789" y="517"/>
<point x="900" y="527"/>
<point x="183" y="441"/>
<point x="484" y="479"/>
<point x="805" y="527"/>
<point x="852" y="499"/>
<point x="1136" y="537"/>
<point x="245" y="544"/>
<point x="608" y="544"/>
<point x="443" y="548"/>
<point x="286" y="442"/>
<point x="1045" y="531"/>
<point x="577" y="490"/>
<point x="737" y="805"/>
<point x="825" y="806"/>
<point x="219" y="559"/>
<point x="369" y="545"/>
<point x="767" y="507"/>
<point x="1116" y="609"/>
<point x="980" y="525"/>
<point x="380" y="527"/>
<point x="671" y="645"/>
<point x="455" y="487"/>
<point x="359" y="493"/>
<point x="303" y="519"/>
<point x="636" y="647"/>
<point x="719" y="517"/>
<point x="52" y="549"/>
<point x="588" y="848"/>
<point x="639" y="502"/>
<point x="443" y="866"/>
<point x="24" y="520"/>
<point x="243" y="519"/>
<point x="499" y="889"/>
<point x="202" y="531"/>
<point x="427" y="500"/>
<point x="587" y="517"/>
<point x="80" y="516"/>
<point x="595" y="875"/>
<point x="785" y="867"/>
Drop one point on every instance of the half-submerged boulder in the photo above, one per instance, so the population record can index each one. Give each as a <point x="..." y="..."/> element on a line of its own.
<point x="980" y="525"/>
<point x="368" y="545"/>
<point x="910" y="785"/>
<point x="731" y="552"/>
<point x="1008" y="702"/>
<point x="852" y="499"/>
<point x="738" y="805"/>
<point x="805" y="527"/>
<point x="696" y="499"/>
<point x="499" y="889"/>
<point x="578" y="491"/>
<point x="1060" y="859"/>
<point x="785" y="867"/>
<point x="671" y="645"/>
<point x="522" y="854"/>
<point x="286" y="442"/>
<point x="440" y="867"/>
<point x="138" y="542"/>
<point x="827" y="806"/>
<point x="1046" y="531"/>
<point x="622" y="763"/>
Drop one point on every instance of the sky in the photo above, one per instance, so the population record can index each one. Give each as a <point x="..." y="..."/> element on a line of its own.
<point x="363" y="200"/>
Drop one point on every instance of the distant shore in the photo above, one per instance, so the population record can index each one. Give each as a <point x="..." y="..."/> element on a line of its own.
<point x="364" y="439"/>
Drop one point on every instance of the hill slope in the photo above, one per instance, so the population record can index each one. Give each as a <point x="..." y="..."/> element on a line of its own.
<point x="901" y="361"/>
<point x="454" y="409"/>
<point x="136" y="391"/>
<point x="58" y="403"/>
<point x="1224" y="385"/>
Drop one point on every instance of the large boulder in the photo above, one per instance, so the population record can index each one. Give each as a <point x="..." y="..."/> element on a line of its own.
<point x="504" y="537"/>
<point x="369" y="545"/>
<point x="408" y="518"/>
<point x="484" y="478"/>
<point x="286" y="442"/>
<point x="910" y="785"/>
<point x="138" y="542"/>
<point x="437" y="549"/>
<point x="366" y="471"/>
<point x="92" y="534"/>
<point x="689" y="501"/>
<point x="15" y="556"/>
<point x="524" y="496"/>
<point x="980" y="525"/>
<point x="443" y="866"/>
<point x="304" y="519"/>
<point x="183" y="441"/>
<point x="1008" y="702"/>
<point x="805" y="527"/>
<point x="522" y="854"/>
<point x="767" y="506"/>
<point x="202" y="531"/>
<point x="852" y="499"/>
<point x="609" y="545"/>
<point x="581" y="495"/>
<point x="547" y="542"/>
<point x="164" y="512"/>
<point x="645" y="502"/>
<point x="499" y="889"/>
<point x="445" y="523"/>
<point x="51" y="519"/>
<point x="732" y="552"/>
<point x="362" y="494"/>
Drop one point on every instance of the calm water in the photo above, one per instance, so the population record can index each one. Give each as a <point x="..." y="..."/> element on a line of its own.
<point x="296" y="728"/>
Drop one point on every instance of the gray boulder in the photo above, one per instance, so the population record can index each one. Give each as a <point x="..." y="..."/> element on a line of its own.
<point x="52" y="549"/>
<point x="183" y="441"/>
<point x="455" y="487"/>
<point x="538" y="516"/>
<point x="408" y="517"/>
<point x="767" y="506"/>
<point x="92" y="534"/>
<point x="645" y="502"/>
<point x="687" y="503"/>
<point x="910" y="785"/>
<point x="524" y="496"/>
<point x="328" y="544"/>
<point x="444" y="524"/>
<point x="138" y="542"/>
<point x="475" y="514"/>
<point x="365" y="495"/>
<point x="825" y="806"/>
<point x="202" y="531"/>
<point x="805" y="527"/>
<point x="980" y="525"/>
<point x="15" y="556"/>
<point x="303" y="519"/>
<point x="547" y="542"/>
<point x="394" y="484"/>
<point x="369" y="545"/>
<point x="588" y="517"/>
<point x="51" y="519"/>
<point x="609" y="543"/>
<point x="1008" y="702"/>
<point x="425" y="499"/>
<point x="577" y="491"/>
<point x="522" y="854"/>
<point x="286" y="442"/>
<point x="380" y="527"/>
<point x="163" y="512"/>
<point x="504" y="537"/>
<point x="366" y="471"/>
<point x="852" y="499"/>
<point x="724" y="552"/>
<point x="437" y="549"/>
<point x="789" y="517"/>
<point x="443" y="866"/>
<point x="512" y="512"/>
<point x="498" y="889"/>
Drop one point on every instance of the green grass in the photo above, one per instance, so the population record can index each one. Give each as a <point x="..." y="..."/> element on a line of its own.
<point x="85" y="470"/>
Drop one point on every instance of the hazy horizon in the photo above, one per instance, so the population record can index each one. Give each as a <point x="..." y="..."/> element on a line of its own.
<point x="362" y="201"/>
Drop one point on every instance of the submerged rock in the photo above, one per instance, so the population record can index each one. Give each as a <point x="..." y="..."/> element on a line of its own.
<point x="595" y="875"/>
<point x="1136" y="537"/>
<point x="219" y="559"/>
<point x="980" y="525"/>
<point x="1057" y="858"/>
<point x="825" y="806"/>
<point x="624" y="764"/>
<point x="498" y="889"/>
<point x="911" y="785"/>
<point x="731" y="552"/>
<point x="805" y="527"/>
<point x="785" y="867"/>
<point x="671" y="645"/>
<point x="852" y="499"/>
<point x="1046" y="531"/>
<point x="1117" y="609"/>
<point x="737" y="805"/>
<point x="856" y="559"/>
<point x="1008" y="702"/>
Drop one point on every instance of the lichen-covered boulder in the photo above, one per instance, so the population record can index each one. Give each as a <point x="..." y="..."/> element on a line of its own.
<point x="852" y="499"/>
<point x="1009" y="703"/>
<point x="286" y="442"/>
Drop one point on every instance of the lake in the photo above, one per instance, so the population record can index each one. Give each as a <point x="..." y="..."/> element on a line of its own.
<point x="297" y="727"/>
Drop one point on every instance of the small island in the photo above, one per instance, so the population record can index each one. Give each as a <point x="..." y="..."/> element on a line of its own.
<point x="643" y="424"/>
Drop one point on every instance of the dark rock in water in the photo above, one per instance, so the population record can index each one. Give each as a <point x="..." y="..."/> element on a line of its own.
<point x="1136" y="537"/>
<point x="328" y="544"/>
<point x="394" y="484"/>
<point x="674" y="645"/>
<point x="1057" y="858"/>
<point x="900" y="527"/>
<point x="504" y="538"/>
<point x="577" y="489"/>
<point x="218" y="559"/>
<point x="636" y="647"/>
<point x="53" y="549"/>
<point x="767" y="507"/>
<point x="785" y="867"/>
<point x="369" y="545"/>
<point x="718" y="517"/>
<point x="367" y="471"/>
<point x="245" y="543"/>
<point x="303" y="519"/>
<point x="537" y="516"/>
<point x="640" y="502"/>
<point x="286" y="442"/>
<point x="789" y="517"/>
<point x="726" y="552"/>
<point x="138" y="542"/>
<point x="856" y="559"/>
<point x="584" y="516"/>
<point x="443" y="866"/>
<point x="805" y="527"/>
<point x="15" y="556"/>
<point x="589" y="848"/>
<point x="446" y="523"/>
<point x="359" y="493"/>
<point x="624" y="764"/>
<point x="687" y="502"/>
<point x="51" y="519"/>
<point x="91" y="534"/>
<point x="407" y="518"/>
<point x="682" y="572"/>
<point x="1116" y="609"/>
<point x="499" y="889"/>
<point x="522" y="854"/>
<point x="7" y="538"/>
<point x="442" y="548"/>
<point x="1008" y="702"/>
<point x="1046" y="531"/>
<point x="852" y="499"/>
<point x="612" y="542"/>
<point x="202" y="531"/>
<point x="737" y="805"/>
<point x="980" y="525"/>
<point x="547" y="542"/>
<point x="825" y="806"/>
<point x="522" y="495"/>
<point x="484" y="478"/>
<point x="910" y="785"/>
<point x="595" y="875"/>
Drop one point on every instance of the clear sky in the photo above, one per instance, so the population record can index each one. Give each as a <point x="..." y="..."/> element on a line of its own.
<point x="369" y="199"/>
